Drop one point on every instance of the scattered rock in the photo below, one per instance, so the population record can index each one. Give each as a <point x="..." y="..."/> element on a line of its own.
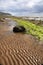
<point x="1" y="20"/>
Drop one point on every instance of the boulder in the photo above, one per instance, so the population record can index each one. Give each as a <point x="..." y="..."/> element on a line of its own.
<point x="41" y="64"/>
<point x="19" y="29"/>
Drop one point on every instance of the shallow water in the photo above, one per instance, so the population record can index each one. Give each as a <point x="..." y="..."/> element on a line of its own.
<point x="7" y="27"/>
<point x="9" y="24"/>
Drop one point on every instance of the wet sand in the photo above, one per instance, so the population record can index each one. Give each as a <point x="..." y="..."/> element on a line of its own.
<point x="19" y="49"/>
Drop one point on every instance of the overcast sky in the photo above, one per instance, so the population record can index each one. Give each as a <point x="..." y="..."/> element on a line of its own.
<point x="22" y="7"/>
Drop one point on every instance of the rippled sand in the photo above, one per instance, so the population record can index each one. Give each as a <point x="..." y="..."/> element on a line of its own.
<point x="19" y="49"/>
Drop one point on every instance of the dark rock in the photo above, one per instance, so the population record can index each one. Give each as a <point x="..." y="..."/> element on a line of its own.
<point x="41" y="64"/>
<point x="19" y="29"/>
<point x="0" y="64"/>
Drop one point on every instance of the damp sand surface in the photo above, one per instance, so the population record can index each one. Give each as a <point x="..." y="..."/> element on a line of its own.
<point x="18" y="48"/>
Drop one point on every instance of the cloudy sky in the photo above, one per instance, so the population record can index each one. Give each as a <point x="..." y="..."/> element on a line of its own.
<point x="22" y="7"/>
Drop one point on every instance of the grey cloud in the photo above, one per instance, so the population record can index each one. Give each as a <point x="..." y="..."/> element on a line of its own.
<point x="38" y="8"/>
<point x="20" y="8"/>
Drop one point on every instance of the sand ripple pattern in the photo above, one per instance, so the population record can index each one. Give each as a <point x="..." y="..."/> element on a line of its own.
<point x="17" y="57"/>
<point x="15" y="51"/>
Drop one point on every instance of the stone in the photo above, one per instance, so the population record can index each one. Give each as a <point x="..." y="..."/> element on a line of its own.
<point x="19" y="29"/>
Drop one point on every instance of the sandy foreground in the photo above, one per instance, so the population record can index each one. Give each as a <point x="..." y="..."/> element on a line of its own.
<point x="19" y="49"/>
